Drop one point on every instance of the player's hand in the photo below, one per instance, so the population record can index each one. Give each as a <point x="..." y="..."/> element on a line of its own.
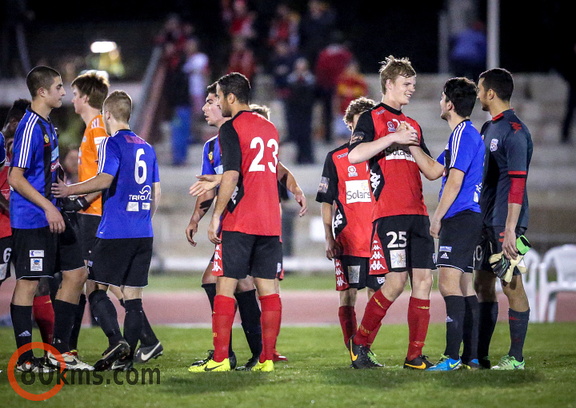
<point x="204" y="184"/>
<point x="191" y="230"/>
<point x="301" y="200"/>
<point x="60" y="189"/>
<point x="213" y="230"/>
<point x="333" y="249"/>
<point x="55" y="220"/>
<point x="435" y="226"/>
<point x="509" y="248"/>
<point x="406" y="134"/>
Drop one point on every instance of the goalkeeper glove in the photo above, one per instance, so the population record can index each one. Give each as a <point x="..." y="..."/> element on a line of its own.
<point x="75" y="204"/>
<point x="504" y="267"/>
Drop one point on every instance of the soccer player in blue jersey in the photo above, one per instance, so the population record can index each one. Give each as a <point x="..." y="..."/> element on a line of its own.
<point x="457" y="221"/>
<point x="43" y="242"/>
<point x="504" y="204"/>
<point x="128" y="176"/>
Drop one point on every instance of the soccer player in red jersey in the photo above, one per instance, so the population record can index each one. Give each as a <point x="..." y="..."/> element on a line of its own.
<point x="345" y="197"/>
<point x="245" y="225"/>
<point x="402" y="247"/>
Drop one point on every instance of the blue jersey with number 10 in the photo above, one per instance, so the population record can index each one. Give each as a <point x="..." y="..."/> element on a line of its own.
<point x="128" y="201"/>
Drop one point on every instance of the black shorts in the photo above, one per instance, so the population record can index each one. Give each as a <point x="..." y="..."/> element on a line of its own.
<point x="38" y="253"/>
<point x="5" y="252"/>
<point x="491" y="243"/>
<point x="240" y="255"/>
<point x="352" y="272"/>
<point x="459" y="237"/>
<point x="121" y="262"/>
<point x="401" y="243"/>
<point x="88" y="226"/>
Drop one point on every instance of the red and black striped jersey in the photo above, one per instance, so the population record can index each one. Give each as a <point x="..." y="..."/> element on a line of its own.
<point x="346" y="186"/>
<point x="249" y="144"/>
<point x="394" y="175"/>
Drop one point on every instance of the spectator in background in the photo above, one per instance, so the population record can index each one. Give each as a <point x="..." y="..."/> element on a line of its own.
<point x="242" y="58"/>
<point x="284" y="27"/>
<point x="241" y="23"/>
<point x="331" y="63"/>
<point x="567" y="69"/>
<point x="299" y="107"/>
<point x="198" y="71"/>
<point x="178" y="103"/>
<point x="316" y="28"/>
<point x="70" y="164"/>
<point x="350" y="86"/>
<point x="468" y="51"/>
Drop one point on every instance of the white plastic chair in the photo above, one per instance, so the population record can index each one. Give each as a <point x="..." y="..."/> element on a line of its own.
<point x="561" y="259"/>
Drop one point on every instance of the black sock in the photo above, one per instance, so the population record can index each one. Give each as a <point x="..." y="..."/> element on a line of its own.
<point x="77" y="322"/>
<point x="64" y="315"/>
<point x="455" y="311"/>
<point x="470" y="336"/>
<point x="133" y="323"/>
<point x="147" y="337"/>
<point x="22" y="324"/>
<point x="250" y="316"/>
<point x="488" y="317"/>
<point x="518" y="322"/>
<point x="105" y="315"/>
<point x="210" y="289"/>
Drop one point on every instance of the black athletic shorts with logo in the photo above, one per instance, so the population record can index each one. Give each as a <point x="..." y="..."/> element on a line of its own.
<point x="240" y="255"/>
<point x="401" y="243"/>
<point x="459" y="236"/>
<point x="491" y="243"/>
<point x="352" y="272"/>
<point x="5" y="252"/>
<point x="121" y="262"/>
<point x="38" y="253"/>
<point x="88" y="226"/>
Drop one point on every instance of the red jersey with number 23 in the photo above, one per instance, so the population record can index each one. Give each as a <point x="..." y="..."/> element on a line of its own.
<point x="394" y="175"/>
<point x="249" y="145"/>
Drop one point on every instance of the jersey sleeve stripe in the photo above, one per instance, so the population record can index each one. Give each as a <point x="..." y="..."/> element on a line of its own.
<point x="456" y="144"/>
<point x="102" y="155"/>
<point x="26" y="141"/>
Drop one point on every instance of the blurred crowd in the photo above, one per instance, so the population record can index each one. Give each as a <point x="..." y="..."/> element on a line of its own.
<point x="303" y="51"/>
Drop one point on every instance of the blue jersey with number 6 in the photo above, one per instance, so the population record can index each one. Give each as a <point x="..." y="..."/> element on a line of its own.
<point x="127" y="208"/>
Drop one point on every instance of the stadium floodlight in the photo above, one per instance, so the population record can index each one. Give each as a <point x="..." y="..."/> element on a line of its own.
<point x="102" y="47"/>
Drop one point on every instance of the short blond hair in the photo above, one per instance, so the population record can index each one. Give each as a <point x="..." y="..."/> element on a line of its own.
<point x="119" y="104"/>
<point x="393" y="68"/>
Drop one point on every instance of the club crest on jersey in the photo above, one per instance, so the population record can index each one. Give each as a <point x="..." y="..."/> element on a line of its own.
<point x="493" y="145"/>
<point x="352" y="171"/>
<point x="393" y="125"/>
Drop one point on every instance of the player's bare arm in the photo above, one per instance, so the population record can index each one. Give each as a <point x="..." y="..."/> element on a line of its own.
<point x="99" y="182"/>
<point x="286" y="177"/>
<point x="19" y="183"/>
<point x="451" y="190"/>
<point x="509" y="245"/>
<point x="227" y="187"/>
<point x="431" y="169"/>
<point x="365" y="151"/>
<point x="201" y="207"/>
<point x="333" y="249"/>
<point x="205" y="183"/>
<point x="156" y="193"/>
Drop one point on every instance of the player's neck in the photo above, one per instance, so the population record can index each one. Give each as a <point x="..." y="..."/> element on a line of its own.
<point x="454" y="120"/>
<point x="89" y="114"/>
<point x="40" y="108"/>
<point x="236" y="108"/>
<point x="392" y="103"/>
<point x="118" y="126"/>
<point x="497" y="107"/>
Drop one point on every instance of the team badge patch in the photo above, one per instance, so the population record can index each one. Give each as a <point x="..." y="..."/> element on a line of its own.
<point x="398" y="258"/>
<point x="36" y="265"/>
<point x="493" y="145"/>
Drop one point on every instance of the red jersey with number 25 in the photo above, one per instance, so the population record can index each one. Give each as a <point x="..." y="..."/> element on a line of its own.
<point x="249" y="145"/>
<point x="394" y="175"/>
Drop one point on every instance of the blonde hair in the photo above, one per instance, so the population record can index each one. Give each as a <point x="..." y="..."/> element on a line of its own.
<point x="119" y="104"/>
<point x="261" y="110"/>
<point x="393" y="68"/>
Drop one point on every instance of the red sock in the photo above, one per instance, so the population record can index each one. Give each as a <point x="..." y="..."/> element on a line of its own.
<point x="375" y="311"/>
<point x="271" y="316"/>
<point x="418" y="320"/>
<point x="279" y="326"/>
<point x="372" y="335"/>
<point x="347" y="316"/>
<point x="44" y="316"/>
<point x="222" y="320"/>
